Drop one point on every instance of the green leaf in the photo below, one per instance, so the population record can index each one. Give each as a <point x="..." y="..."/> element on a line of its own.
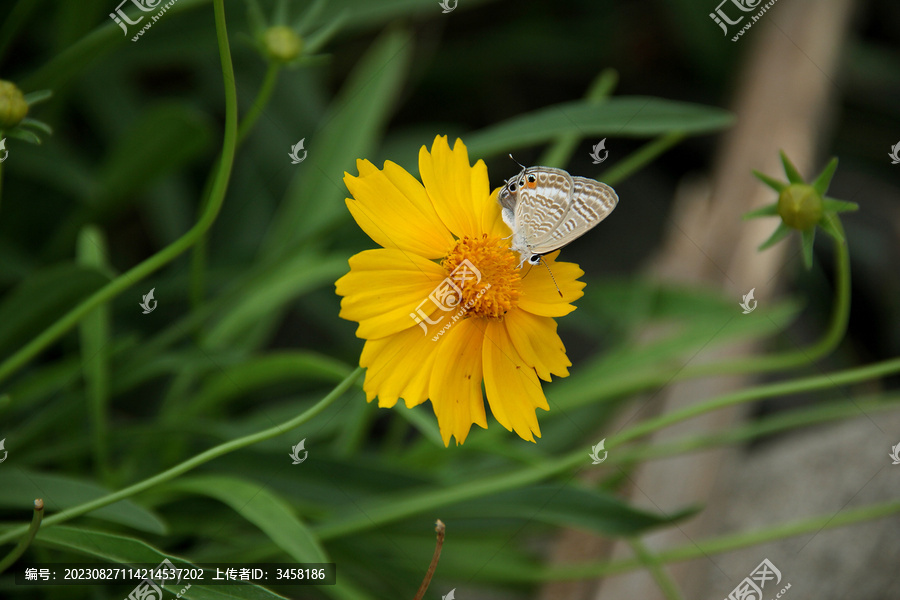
<point x="770" y="210"/>
<point x="351" y="129"/>
<point x="271" y="294"/>
<point x="41" y="299"/>
<point x="832" y="205"/>
<point x="19" y="487"/>
<point x="266" y="370"/>
<point x="781" y="232"/>
<point x="776" y="185"/>
<point x="122" y="550"/>
<point x="165" y="139"/>
<point x="633" y="116"/>
<point x="35" y="124"/>
<point x="808" y="237"/>
<point x="790" y="170"/>
<point x="564" y="506"/>
<point x="24" y="135"/>
<point x="268" y="511"/>
<point x="824" y="179"/>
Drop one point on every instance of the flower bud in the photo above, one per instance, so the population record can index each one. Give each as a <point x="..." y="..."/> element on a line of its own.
<point x="282" y="43"/>
<point x="13" y="107"/>
<point x="800" y="206"/>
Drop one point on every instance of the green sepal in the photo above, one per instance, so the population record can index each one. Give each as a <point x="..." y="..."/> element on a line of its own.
<point x="830" y="226"/>
<point x="836" y="206"/>
<point x="772" y="183"/>
<point x="824" y="179"/>
<point x="766" y="211"/>
<point x="779" y="234"/>
<point x="790" y="170"/>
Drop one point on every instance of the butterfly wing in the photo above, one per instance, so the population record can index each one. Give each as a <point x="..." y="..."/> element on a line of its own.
<point x="591" y="202"/>
<point x="539" y="210"/>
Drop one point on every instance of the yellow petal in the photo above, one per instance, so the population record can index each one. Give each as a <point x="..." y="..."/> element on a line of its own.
<point x="384" y="286"/>
<point x="455" y="389"/>
<point x="447" y="176"/>
<point x="513" y="389"/>
<point x="491" y="218"/>
<point x="539" y="295"/>
<point x="391" y="206"/>
<point x="537" y="343"/>
<point x="398" y="366"/>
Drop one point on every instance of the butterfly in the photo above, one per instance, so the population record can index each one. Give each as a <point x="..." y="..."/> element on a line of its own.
<point x="547" y="208"/>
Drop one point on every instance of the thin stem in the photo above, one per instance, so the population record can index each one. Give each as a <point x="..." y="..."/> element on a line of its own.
<point x="722" y="544"/>
<point x="395" y="508"/>
<point x="167" y="254"/>
<point x="196" y="461"/>
<point x="651" y="562"/>
<point x="637" y="160"/>
<point x="439" y="528"/>
<point x="797" y="358"/>
<point x="23" y="544"/>
<point x="262" y="99"/>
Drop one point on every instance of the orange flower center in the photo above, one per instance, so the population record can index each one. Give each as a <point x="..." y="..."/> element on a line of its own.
<point x="485" y="270"/>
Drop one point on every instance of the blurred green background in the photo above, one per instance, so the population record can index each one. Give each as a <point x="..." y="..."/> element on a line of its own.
<point x="246" y="332"/>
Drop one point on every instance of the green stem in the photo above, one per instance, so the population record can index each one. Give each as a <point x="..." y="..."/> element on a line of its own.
<point x="805" y="356"/>
<point x="196" y="461"/>
<point x="167" y="254"/>
<point x="651" y="562"/>
<point x="29" y="535"/>
<point x="722" y="544"/>
<point x="198" y="256"/>
<point x="262" y="99"/>
<point x="637" y="160"/>
<point x="396" y="508"/>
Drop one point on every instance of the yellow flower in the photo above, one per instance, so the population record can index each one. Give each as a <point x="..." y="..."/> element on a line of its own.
<point x="424" y="339"/>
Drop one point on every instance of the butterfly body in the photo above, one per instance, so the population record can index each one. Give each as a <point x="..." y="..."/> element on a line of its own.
<point x="547" y="208"/>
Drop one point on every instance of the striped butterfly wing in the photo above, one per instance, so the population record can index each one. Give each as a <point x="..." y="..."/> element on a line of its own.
<point x="591" y="202"/>
<point x="539" y="210"/>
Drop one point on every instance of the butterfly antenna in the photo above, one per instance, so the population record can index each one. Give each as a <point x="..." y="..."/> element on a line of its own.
<point x="515" y="161"/>
<point x="541" y="259"/>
